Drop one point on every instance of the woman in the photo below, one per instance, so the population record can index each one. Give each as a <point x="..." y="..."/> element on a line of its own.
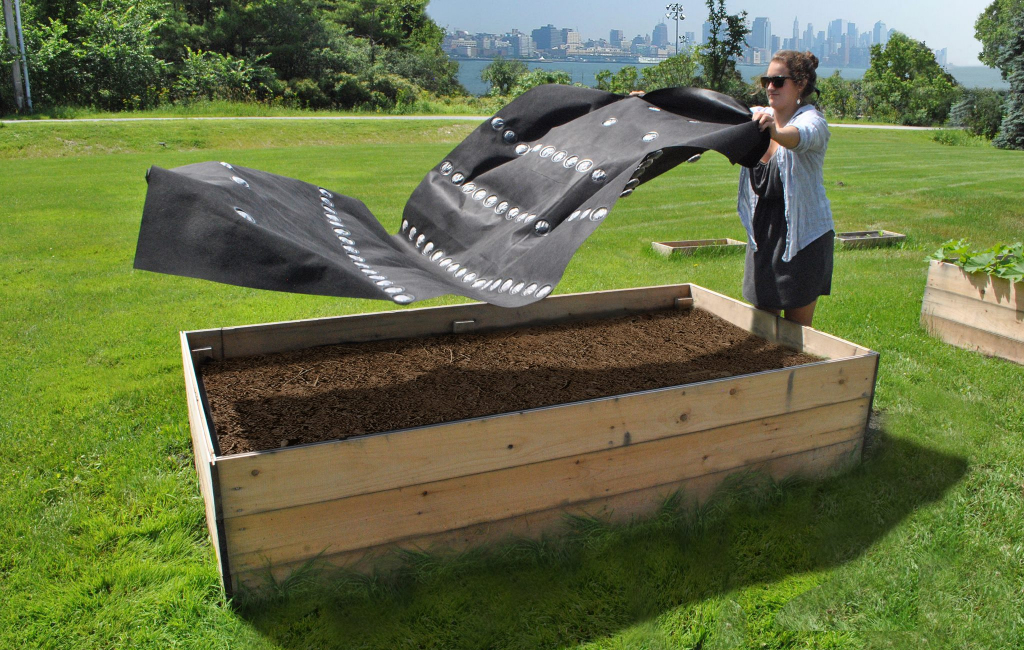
<point x="782" y="201"/>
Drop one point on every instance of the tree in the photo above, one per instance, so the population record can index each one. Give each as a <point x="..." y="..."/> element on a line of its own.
<point x="1011" y="60"/>
<point x="502" y="74"/>
<point x="539" y="77"/>
<point x="980" y="111"/>
<point x="104" y="58"/>
<point x="1000" y="28"/>
<point x="994" y="28"/>
<point x="626" y="80"/>
<point x="839" y="97"/>
<point x="726" y="40"/>
<point x="904" y="83"/>
<point x="679" y="70"/>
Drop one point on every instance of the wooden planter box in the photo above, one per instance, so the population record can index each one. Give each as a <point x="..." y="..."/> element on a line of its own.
<point x="868" y="238"/>
<point x="463" y="483"/>
<point x="669" y="248"/>
<point x="974" y="311"/>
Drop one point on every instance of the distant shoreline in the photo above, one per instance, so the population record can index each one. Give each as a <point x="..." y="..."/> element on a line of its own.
<point x="585" y="72"/>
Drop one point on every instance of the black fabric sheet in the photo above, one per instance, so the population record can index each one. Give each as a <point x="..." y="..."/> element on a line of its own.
<point x="497" y="220"/>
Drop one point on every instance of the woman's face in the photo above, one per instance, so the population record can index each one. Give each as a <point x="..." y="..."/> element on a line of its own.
<point x="785" y="98"/>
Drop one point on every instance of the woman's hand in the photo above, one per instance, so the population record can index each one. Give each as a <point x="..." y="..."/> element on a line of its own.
<point x="787" y="136"/>
<point x="766" y="120"/>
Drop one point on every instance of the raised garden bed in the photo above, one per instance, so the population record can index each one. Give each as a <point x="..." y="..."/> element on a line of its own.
<point x="689" y="247"/>
<point x="868" y="238"/>
<point x="975" y="311"/>
<point x="437" y="482"/>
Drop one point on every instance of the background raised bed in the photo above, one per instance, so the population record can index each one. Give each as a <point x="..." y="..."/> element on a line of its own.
<point x="689" y="247"/>
<point x="868" y="238"/>
<point x="975" y="311"/>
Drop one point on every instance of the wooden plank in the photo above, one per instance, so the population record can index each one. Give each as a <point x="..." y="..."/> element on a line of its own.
<point x="206" y="339"/>
<point x="812" y="464"/>
<point x="984" y="316"/>
<point x="202" y="449"/>
<point x="775" y="329"/>
<point x="263" y="481"/>
<point x="970" y="338"/>
<point x="757" y="322"/>
<point x="982" y="287"/>
<point x="689" y="247"/>
<point x="864" y="239"/>
<point x="415" y="323"/>
<point x="371" y="519"/>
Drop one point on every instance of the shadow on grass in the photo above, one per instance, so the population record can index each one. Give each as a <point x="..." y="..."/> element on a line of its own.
<point x="599" y="579"/>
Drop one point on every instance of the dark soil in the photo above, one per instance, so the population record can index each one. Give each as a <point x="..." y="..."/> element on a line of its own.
<point x="340" y="391"/>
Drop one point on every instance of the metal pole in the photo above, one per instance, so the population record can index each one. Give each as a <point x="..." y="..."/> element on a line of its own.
<point x="19" y="95"/>
<point x="675" y="12"/>
<point x="24" y="61"/>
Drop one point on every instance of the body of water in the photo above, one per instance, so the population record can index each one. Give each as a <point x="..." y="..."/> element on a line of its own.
<point x="977" y="76"/>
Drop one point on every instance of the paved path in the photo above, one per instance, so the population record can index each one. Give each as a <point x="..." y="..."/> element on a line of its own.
<point x="459" y="118"/>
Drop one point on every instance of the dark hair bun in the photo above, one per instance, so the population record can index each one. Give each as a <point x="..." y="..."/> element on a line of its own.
<point x="813" y="60"/>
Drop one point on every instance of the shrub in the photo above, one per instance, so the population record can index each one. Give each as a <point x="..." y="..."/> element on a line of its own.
<point x="535" y="78"/>
<point x="980" y="111"/>
<point x="211" y="75"/>
<point x="958" y="138"/>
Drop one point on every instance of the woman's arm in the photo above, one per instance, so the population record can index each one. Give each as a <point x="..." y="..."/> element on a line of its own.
<point x="787" y="136"/>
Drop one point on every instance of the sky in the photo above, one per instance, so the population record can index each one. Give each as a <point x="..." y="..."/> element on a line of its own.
<point x="939" y="24"/>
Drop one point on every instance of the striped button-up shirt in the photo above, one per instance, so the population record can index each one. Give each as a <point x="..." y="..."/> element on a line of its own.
<point x="808" y="212"/>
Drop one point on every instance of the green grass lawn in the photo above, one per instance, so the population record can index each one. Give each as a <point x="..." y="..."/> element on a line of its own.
<point x="102" y="534"/>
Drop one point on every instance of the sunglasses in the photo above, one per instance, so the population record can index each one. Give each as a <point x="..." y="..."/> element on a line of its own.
<point x="778" y="81"/>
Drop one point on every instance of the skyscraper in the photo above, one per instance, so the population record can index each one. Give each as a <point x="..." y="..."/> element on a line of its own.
<point x="796" y="33"/>
<point x="835" y="30"/>
<point x="851" y="31"/>
<point x="705" y="33"/>
<point x="547" y="38"/>
<point x="880" y="35"/>
<point x="616" y="36"/>
<point x="660" y="36"/>
<point x="761" y="34"/>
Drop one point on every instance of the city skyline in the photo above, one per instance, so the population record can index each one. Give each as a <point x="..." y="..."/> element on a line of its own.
<point x="940" y="26"/>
